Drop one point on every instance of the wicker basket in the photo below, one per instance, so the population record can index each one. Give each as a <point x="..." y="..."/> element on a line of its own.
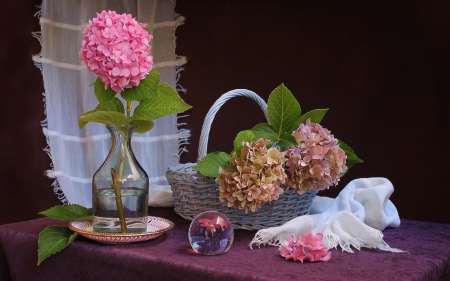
<point x="194" y="193"/>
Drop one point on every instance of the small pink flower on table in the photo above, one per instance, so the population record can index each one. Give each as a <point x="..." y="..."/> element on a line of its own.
<point x="307" y="247"/>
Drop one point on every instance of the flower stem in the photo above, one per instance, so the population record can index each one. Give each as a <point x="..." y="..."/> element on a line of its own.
<point x="116" y="187"/>
<point x="118" y="180"/>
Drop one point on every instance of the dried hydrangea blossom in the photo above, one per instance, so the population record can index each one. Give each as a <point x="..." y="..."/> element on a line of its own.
<point x="116" y="48"/>
<point x="307" y="247"/>
<point x="254" y="178"/>
<point x="317" y="162"/>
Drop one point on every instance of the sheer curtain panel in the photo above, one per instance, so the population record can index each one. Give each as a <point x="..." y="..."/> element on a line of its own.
<point x="77" y="153"/>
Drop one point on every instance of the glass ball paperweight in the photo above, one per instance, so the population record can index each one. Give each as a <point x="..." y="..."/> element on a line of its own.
<point x="211" y="233"/>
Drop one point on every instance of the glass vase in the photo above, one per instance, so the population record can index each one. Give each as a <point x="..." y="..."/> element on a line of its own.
<point x="120" y="188"/>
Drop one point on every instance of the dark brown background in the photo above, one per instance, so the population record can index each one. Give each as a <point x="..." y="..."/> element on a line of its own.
<point x="382" y="67"/>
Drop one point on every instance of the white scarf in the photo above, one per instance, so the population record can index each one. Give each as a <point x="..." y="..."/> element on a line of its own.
<point x="355" y="218"/>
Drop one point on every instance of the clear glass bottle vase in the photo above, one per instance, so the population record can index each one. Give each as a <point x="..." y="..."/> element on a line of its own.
<point x="120" y="188"/>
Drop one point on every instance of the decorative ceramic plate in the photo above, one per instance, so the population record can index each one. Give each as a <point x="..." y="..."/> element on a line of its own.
<point x="155" y="227"/>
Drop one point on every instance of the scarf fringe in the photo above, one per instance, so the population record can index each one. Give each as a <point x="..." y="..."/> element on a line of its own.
<point x="330" y="241"/>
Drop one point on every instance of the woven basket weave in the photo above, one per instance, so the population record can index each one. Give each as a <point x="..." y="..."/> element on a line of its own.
<point x="194" y="193"/>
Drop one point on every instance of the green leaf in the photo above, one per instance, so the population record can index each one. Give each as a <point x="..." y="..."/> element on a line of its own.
<point x="282" y="109"/>
<point x="113" y="105"/>
<point x="315" y="115"/>
<point x="67" y="213"/>
<point x="104" y="117"/>
<point x="52" y="240"/>
<point x="143" y="126"/>
<point x="166" y="89"/>
<point x="265" y="131"/>
<point x="242" y="136"/>
<point x="147" y="88"/>
<point x="286" y="140"/>
<point x="81" y="124"/>
<point x="102" y="94"/>
<point x="352" y="159"/>
<point x="158" y="106"/>
<point x="209" y="165"/>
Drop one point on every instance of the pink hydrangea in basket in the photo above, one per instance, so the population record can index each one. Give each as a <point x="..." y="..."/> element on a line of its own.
<point x="273" y="172"/>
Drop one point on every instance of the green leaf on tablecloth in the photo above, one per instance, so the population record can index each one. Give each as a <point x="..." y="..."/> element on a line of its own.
<point x="148" y="87"/>
<point x="209" y="165"/>
<point x="265" y="131"/>
<point x="104" y="117"/>
<point x="315" y="115"/>
<point x="143" y="126"/>
<point x="282" y="109"/>
<point x="352" y="159"/>
<point x="68" y="213"/>
<point x="112" y="105"/>
<point x="52" y="240"/>
<point x="103" y="95"/>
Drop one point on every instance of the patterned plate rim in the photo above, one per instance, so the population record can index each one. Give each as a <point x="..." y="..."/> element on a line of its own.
<point x="149" y="223"/>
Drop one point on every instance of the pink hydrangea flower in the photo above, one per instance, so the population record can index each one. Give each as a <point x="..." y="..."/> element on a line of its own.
<point x="307" y="247"/>
<point x="317" y="162"/>
<point x="116" y="48"/>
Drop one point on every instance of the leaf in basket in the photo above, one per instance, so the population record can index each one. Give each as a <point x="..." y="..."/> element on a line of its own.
<point x="315" y="115"/>
<point x="286" y="140"/>
<point x="243" y="136"/>
<point x="283" y="110"/>
<point x="352" y="159"/>
<point x="209" y="165"/>
<point x="265" y="131"/>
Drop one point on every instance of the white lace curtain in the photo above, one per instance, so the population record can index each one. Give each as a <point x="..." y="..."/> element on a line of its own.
<point x="76" y="154"/>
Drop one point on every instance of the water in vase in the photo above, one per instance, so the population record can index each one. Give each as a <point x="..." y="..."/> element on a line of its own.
<point x="135" y="206"/>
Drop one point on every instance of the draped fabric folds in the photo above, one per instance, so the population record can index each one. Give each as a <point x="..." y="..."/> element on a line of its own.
<point x="355" y="218"/>
<point x="76" y="154"/>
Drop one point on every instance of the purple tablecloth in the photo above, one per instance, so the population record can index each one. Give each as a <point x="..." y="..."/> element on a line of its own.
<point x="170" y="257"/>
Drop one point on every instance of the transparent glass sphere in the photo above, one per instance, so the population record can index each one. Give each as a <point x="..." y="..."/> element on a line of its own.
<point x="211" y="233"/>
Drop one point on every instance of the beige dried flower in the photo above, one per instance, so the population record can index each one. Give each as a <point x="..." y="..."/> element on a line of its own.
<point x="254" y="178"/>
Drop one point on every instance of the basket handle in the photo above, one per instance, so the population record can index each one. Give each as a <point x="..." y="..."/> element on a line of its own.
<point x="203" y="143"/>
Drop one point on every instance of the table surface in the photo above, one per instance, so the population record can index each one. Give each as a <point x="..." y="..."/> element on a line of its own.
<point x="170" y="257"/>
